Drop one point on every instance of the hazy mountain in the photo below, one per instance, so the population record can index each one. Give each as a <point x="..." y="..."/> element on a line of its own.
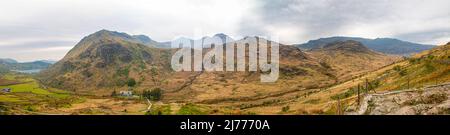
<point x="30" y="65"/>
<point x="225" y="39"/>
<point x="49" y="61"/>
<point x="349" y="46"/>
<point x="384" y="45"/>
<point x="7" y="61"/>
<point x="11" y="64"/>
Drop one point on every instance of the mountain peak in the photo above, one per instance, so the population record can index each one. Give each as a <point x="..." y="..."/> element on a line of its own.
<point x="221" y="35"/>
<point x="225" y="38"/>
<point x="108" y="33"/>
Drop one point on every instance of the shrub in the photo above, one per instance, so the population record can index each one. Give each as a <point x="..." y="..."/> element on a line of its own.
<point x="154" y="71"/>
<point x="131" y="82"/>
<point x="154" y="94"/>
<point x="159" y="110"/>
<point x="402" y="72"/>
<point x="397" y="68"/>
<point x="123" y="72"/>
<point x="190" y="109"/>
<point x="3" y="109"/>
<point x="346" y="94"/>
<point x="429" y="68"/>
<point x="325" y="65"/>
<point x="285" y="109"/>
<point x="114" y="93"/>
<point x="413" y="60"/>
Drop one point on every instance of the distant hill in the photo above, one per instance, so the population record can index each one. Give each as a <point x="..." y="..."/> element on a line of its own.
<point x="225" y="39"/>
<point x="351" y="58"/>
<point x="48" y="61"/>
<point x="11" y="64"/>
<point x="349" y="46"/>
<point x="384" y="45"/>
<point x="7" y="61"/>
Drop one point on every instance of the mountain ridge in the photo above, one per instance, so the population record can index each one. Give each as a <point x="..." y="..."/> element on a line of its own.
<point x="104" y="60"/>
<point x="384" y="45"/>
<point x="11" y="64"/>
<point x="104" y="64"/>
<point x="351" y="58"/>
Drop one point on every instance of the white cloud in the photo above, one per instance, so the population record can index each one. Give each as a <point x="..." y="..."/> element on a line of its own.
<point x="370" y="18"/>
<point x="34" y="21"/>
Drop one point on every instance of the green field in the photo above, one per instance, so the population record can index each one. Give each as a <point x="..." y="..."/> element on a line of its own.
<point x="28" y="96"/>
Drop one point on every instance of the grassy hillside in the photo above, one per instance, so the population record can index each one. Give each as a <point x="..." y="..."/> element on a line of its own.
<point x="349" y="59"/>
<point x="103" y="62"/>
<point x="427" y="68"/>
<point x="28" y="97"/>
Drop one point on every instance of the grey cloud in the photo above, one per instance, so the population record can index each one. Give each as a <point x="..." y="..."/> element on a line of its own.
<point x="318" y="18"/>
<point x="439" y="36"/>
<point x="60" y="24"/>
<point x="36" y="50"/>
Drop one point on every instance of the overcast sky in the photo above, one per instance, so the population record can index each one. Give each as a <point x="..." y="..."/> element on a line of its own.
<point x="47" y="29"/>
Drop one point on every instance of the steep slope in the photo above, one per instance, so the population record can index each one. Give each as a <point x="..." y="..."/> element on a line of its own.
<point x="350" y="58"/>
<point x="384" y="45"/>
<point x="426" y="68"/>
<point x="420" y="86"/>
<point x="105" y="59"/>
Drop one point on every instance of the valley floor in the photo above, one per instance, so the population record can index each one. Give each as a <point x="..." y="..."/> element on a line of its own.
<point x="28" y="97"/>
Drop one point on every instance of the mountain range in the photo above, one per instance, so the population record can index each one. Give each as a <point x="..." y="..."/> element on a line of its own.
<point x="106" y="61"/>
<point x="311" y="81"/>
<point x="384" y="45"/>
<point x="350" y="58"/>
<point x="7" y="64"/>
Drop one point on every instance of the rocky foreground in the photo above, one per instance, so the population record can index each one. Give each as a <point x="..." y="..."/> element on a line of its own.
<point x="430" y="100"/>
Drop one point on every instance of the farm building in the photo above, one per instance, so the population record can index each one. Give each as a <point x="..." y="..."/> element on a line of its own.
<point x="7" y="90"/>
<point x="126" y="93"/>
